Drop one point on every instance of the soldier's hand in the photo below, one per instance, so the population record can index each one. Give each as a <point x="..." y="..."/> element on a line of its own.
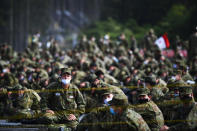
<point x="50" y="111"/>
<point x="164" y="128"/>
<point x="71" y="117"/>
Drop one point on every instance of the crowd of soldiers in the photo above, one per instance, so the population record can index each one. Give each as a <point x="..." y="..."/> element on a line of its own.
<point x="100" y="85"/>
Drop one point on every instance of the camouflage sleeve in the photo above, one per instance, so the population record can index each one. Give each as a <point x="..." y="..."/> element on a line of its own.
<point x="156" y="94"/>
<point x="91" y="104"/>
<point x="135" y="120"/>
<point x="80" y="102"/>
<point x="192" y="117"/>
<point x="36" y="100"/>
<point x="44" y="101"/>
<point x="46" y="95"/>
<point x="157" y="115"/>
<point x="88" y="123"/>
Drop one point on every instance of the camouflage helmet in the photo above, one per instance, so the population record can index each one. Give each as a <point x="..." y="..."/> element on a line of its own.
<point x="47" y="65"/>
<point x="143" y="91"/>
<point x="106" y="91"/>
<point x="66" y="70"/>
<point x="180" y="83"/>
<point x="92" y="78"/>
<point x="175" y="84"/>
<point x="119" y="100"/>
<point x="171" y="82"/>
<point x="151" y="80"/>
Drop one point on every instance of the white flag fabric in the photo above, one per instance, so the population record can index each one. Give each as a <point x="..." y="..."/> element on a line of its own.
<point x="160" y="42"/>
<point x="163" y="42"/>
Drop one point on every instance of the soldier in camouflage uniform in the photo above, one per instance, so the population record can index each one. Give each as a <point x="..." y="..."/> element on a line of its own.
<point x="130" y="89"/>
<point x="150" y="39"/>
<point x="155" y="92"/>
<point x="116" y="117"/>
<point x="64" y="102"/>
<point x="149" y="110"/>
<point x="169" y="103"/>
<point x="113" y="71"/>
<point x="185" y="119"/>
<point x="185" y="74"/>
<point x="21" y="104"/>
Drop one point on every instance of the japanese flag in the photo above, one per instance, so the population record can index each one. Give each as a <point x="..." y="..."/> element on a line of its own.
<point x="163" y="42"/>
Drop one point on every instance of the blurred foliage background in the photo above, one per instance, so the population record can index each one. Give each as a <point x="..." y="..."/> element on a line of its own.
<point x="70" y="18"/>
<point x="176" y="17"/>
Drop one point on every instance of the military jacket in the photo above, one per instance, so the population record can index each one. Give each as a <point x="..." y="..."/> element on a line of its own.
<point x="69" y="101"/>
<point x="103" y="120"/>
<point x="151" y="114"/>
<point x="186" y="118"/>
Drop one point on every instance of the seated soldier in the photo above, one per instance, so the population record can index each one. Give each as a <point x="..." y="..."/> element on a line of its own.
<point x="116" y="117"/>
<point x="186" y="113"/>
<point x="64" y="102"/>
<point x="149" y="110"/>
<point x="171" y="100"/>
<point x="155" y="91"/>
<point x="22" y="104"/>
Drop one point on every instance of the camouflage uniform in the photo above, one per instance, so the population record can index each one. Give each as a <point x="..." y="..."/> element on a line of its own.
<point x="104" y="120"/>
<point x="23" y="106"/>
<point x="150" y="112"/>
<point x="150" y="39"/>
<point x="187" y="77"/>
<point x="168" y="104"/>
<point x="114" y="71"/>
<point x="155" y="92"/>
<point x="78" y="77"/>
<point x="186" y="113"/>
<point x="63" y="102"/>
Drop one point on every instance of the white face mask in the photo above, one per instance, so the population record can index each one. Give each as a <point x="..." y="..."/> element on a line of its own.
<point x="48" y="44"/>
<point x="5" y="70"/>
<point x="108" y="99"/>
<point x="22" y="78"/>
<point x="65" y="81"/>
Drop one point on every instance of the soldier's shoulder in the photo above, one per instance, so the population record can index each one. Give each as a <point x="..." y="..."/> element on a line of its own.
<point x="153" y="107"/>
<point x="72" y="86"/>
<point x="53" y="84"/>
<point x="137" y="119"/>
<point x="131" y="114"/>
